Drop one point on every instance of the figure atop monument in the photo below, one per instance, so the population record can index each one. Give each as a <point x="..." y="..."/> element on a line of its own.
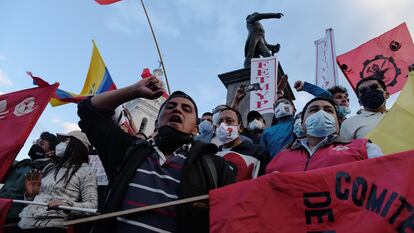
<point x="256" y="44"/>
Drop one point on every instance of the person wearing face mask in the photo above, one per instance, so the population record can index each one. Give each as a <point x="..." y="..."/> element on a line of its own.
<point x="168" y="167"/>
<point x="70" y="182"/>
<point x="42" y="157"/>
<point x="205" y="128"/>
<point x="280" y="135"/>
<point x="215" y="118"/>
<point x="321" y="147"/>
<point x="338" y="93"/>
<point x="372" y="95"/>
<point x="256" y="125"/>
<point x="228" y="133"/>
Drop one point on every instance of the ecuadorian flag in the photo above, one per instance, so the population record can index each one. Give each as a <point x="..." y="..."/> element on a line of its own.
<point x="97" y="81"/>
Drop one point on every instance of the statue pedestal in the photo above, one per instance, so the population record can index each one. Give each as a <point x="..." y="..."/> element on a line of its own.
<point x="232" y="81"/>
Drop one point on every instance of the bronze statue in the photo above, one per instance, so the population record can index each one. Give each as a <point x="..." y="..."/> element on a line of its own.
<point x="256" y="44"/>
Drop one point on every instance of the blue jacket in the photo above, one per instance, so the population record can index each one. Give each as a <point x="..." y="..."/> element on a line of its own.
<point x="277" y="137"/>
<point x="315" y="90"/>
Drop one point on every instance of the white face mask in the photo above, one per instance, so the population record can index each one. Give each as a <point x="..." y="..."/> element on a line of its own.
<point x="255" y="125"/>
<point x="60" y="149"/>
<point x="320" y="124"/>
<point x="283" y="109"/>
<point x="227" y="133"/>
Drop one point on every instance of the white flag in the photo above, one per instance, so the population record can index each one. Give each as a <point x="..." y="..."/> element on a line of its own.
<point x="264" y="72"/>
<point x="326" y="71"/>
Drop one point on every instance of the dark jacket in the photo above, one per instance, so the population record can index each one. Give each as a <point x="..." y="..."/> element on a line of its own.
<point x="121" y="156"/>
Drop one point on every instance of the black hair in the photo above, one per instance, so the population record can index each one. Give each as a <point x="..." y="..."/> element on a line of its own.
<point x="380" y="82"/>
<point x="337" y="89"/>
<point x="176" y="94"/>
<point x="75" y="155"/>
<point x="316" y="99"/>
<point x="239" y="117"/>
<point x="51" y="138"/>
<point x="207" y="114"/>
<point x="290" y="101"/>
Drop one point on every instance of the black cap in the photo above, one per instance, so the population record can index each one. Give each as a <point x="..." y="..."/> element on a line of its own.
<point x="254" y="115"/>
<point x="176" y="94"/>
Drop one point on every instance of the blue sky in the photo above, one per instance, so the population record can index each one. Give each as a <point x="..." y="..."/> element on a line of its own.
<point x="198" y="39"/>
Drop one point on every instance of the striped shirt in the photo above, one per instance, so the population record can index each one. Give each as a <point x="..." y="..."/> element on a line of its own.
<point x="156" y="181"/>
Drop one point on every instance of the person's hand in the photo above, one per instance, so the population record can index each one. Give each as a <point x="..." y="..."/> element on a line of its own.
<point x="240" y="94"/>
<point x="53" y="204"/>
<point x="32" y="183"/>
<point x="279" y="15"/>
<point x="298" y="85"/>
<point x="149" y="88"/>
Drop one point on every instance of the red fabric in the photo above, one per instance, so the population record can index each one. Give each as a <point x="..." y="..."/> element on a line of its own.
<point x="19" y="112"/>
<point x="106" y="2"/>
<point x="334" y="154"/>
<point x="373" y="195"/>
<point x="4" y="209"/>
<point x="392" y="47"/>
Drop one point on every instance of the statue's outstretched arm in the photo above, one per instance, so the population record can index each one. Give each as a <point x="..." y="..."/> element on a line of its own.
<point x="259" y="16"/>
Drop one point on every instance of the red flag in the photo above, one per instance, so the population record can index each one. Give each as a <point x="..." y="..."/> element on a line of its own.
<point x="373" y="195"/>
<point x="19" y="112"/>
<point x="386" y="57"/>
<point x="106" y="2"/>
<point x="4" y="208"/>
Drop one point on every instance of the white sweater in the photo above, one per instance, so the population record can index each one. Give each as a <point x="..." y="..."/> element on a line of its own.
<point x="81" y="191"/>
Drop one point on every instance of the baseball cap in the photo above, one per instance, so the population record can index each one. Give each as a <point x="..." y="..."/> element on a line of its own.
<point x="76" y="134"/>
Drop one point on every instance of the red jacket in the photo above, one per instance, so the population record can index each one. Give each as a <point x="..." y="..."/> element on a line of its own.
<point x="334" y="153"/>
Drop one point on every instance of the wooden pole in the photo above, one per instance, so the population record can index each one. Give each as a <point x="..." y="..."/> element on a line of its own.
<point x="158" y="48"/>
<point x="136" y="210"/>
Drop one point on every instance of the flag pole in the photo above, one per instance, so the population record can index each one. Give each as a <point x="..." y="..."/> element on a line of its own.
<point x="158" y="48"/>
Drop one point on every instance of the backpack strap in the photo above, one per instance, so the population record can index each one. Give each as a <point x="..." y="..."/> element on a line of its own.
<point x="212" y="169"/>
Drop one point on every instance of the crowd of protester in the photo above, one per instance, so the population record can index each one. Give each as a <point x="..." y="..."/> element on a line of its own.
<point x="185" y="156"/>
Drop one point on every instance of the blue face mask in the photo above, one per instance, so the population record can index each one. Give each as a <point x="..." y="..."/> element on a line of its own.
<point x="205" y="127"/>
<point x="320" y="124"/>
<point x="298" y="130"/>
<point x="343" y="110"/>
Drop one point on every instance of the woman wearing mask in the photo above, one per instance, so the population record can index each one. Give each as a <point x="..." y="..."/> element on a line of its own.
<point x="71" y="182"/>
<point x="321" y="147"/>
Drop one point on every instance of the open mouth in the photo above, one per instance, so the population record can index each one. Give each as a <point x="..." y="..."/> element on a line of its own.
<point x="175" y="119"/>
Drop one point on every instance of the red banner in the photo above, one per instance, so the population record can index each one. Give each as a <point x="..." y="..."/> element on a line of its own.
<point x="386" y="57"/>
<point x="374" y="195"/>
<point x="4" y="208"/>
<point x="19" y="112"/>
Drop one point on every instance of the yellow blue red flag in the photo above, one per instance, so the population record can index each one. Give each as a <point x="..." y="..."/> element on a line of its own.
<point x="97" y="81"/>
